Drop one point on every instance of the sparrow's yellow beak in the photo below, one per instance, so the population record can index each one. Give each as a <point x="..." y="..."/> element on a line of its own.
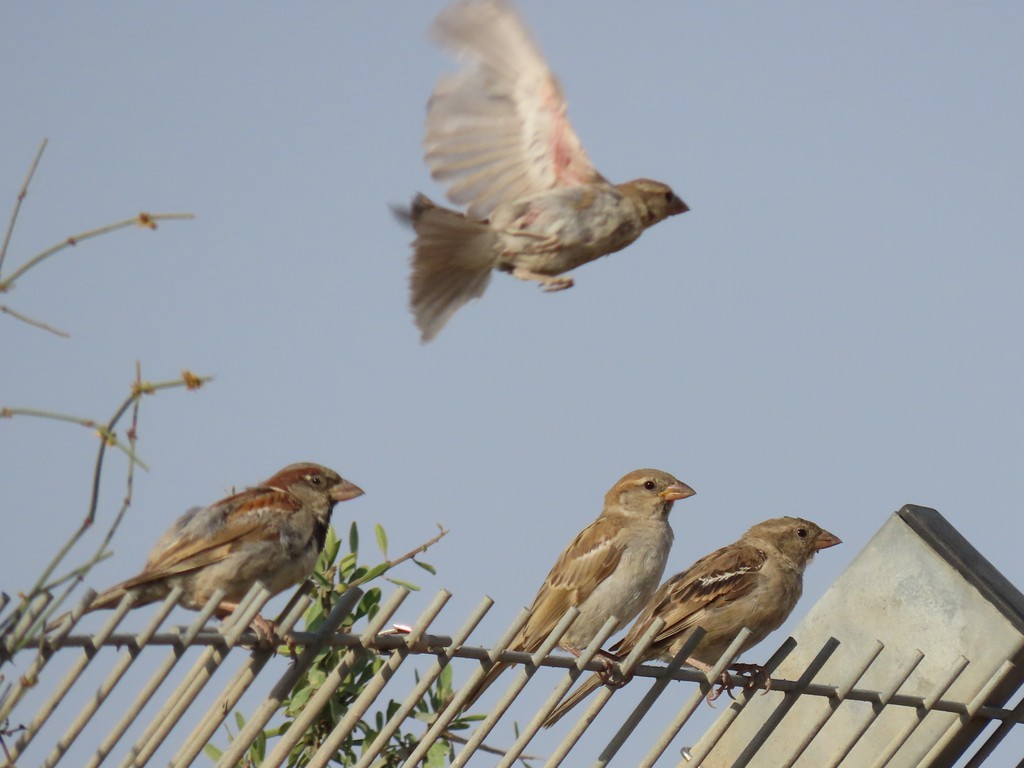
<point x="345" y="490"/>
<point x="677" y="491"/>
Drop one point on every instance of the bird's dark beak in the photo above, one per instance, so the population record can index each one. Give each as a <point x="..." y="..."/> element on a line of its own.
<point x="677" y="206"/>
<point x="826" y="540"/>
<point x="677" y="491"/>
<point x="345" y="490"/>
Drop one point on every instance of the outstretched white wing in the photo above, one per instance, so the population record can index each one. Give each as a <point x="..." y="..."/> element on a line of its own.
<point x="497" y="129"/>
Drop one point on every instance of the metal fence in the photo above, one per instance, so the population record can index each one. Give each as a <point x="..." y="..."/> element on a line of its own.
<point x="53" y="732"/>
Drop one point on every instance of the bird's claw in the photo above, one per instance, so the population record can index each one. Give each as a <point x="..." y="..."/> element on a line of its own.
<point x="724" y="684"/>
<point x="269" y="636"/>
<point x="753" y="676"/>
<point x="610" y="673"/>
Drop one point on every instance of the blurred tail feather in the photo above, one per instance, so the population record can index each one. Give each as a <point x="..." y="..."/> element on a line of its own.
<point x="451" y="264"/>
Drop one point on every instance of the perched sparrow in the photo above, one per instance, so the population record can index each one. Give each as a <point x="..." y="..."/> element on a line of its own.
<point x="272" y="533"/>
<point x="497" y="134"/>
<point x="754" y="583"/>
<point x="610" y="569"/>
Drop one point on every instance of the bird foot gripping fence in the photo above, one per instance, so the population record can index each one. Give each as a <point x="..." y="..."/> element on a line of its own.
<point x="171" y="711"/>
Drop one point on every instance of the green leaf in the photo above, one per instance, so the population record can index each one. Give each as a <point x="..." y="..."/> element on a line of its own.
<point x="408" y="585"/>
<point x="316" y="675"/>
<point x="382" y="538"/>
<point x="212" y="752"/>
<point x="437" y="755"/>
<point x="353" y="539"/>
<point x="346" y="565"/>
<point x="239" y="720"/>
<point x="426" y="566"/>
<point x="314" y="613"/>
<point x="299" y="698"/>
<point x="258" y="749"/>
<point x="331" y="547"/>
<point x="374" y="572"/>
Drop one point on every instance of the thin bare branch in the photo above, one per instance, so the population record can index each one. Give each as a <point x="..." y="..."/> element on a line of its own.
<point x="107" y="436"/>
<point x="133" y="436"/>
<point x="37" y="323"/>
<point x="22" y="193"/>
<point x="145" y="220"/>
<point x="76" y="573"/>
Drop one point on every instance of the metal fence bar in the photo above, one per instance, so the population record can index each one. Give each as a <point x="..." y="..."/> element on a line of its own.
<point x="133" y="711"/>
<point x="627" y="728"/>
<point x="328" y="688"/>
<point x="784" y="706"/>
<point x="65" y="622"/>
<point x="550" y="642"/>
<point x="718" y="729"/>
<point x="878" y="706"/>
<point x="425" y="682"/>
<point x="237" y="687"/>
<point x="373" y="689"/>
<point x="689" y="708"/>
<point x="454" y="708"/>
<point x="900" y="738"/>
<point x="628" y="667"/>
<point x="197" y="678"/>
<point x="255" y="724"/>
<point x="43" y="656"/>
<point x="33" y="610"/>
<point x="844" y="689"/>
<point x="69" y="680"/>
<point x="127" y="659"/>
<point x="986" y="749"/>
<point x="592" y="649"/>
<point x="972" y="707"/>
<point x="480" y="653"/>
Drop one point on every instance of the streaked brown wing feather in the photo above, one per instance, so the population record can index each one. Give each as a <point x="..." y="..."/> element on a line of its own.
<point x="590" y="559"/>
<point x="237" y="518"/>
<point x="682" y="601"/>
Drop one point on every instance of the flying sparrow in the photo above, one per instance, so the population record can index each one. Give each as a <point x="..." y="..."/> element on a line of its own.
<point x="272" y="533"/>
<point x="497" y="135"/>
<point x="610" y="569"/>
<point x="753" y="583"/>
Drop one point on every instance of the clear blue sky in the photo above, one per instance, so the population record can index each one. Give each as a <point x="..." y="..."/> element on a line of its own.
<point x="833" y="330"/>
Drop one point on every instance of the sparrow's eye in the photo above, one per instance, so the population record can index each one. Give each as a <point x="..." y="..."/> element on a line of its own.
<point x="802" y="533"/>
<point x="669" y="196"/>
<point x="650" y="485"/>
<point x="316" y="479"/>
